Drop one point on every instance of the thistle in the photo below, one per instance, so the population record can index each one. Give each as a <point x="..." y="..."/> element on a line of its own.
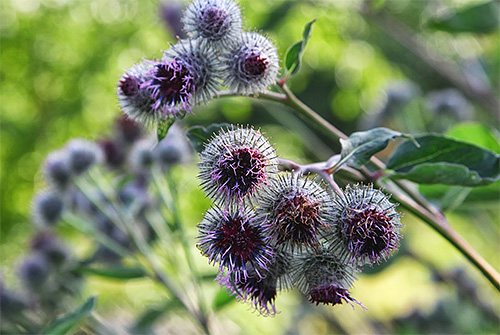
<point x="251" y="66"/>
<point x="47" y="208"/>
<point x="235" y="164"/>
<point x="82" y="155"/>
<point x="261" y="292"/>
<point x="297" y="209"/>
<point x="217" y="22"/>
<point x="323" y="277"/>
<point x="234" y="238"/>
<point x="367" y="225"/>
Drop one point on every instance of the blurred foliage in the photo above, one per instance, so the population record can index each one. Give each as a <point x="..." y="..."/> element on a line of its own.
<point x="61" y="59"/>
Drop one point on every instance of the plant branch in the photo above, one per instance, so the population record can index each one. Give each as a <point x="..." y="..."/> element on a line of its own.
<point x="420" y="208"/>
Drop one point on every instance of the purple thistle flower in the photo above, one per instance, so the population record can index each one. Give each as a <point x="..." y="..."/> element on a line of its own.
<point x="134" y="99"/>
<point x="235" y="164"/>
<point x="367" y="225"/>
<point x="252" y="65"/>
<point x="323" y="277"/>
<point x="218" y="22"/>
<point x="47" y="208"/>
<point x="235" y="239"/>
<point x="261" y="291"/>
<point x="57" y="171"/>
<point x="297" y="210"/>
<point x="187" y="74"/>
<point x="82" y="155"/>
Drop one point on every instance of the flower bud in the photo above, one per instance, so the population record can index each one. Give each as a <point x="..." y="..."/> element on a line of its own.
<point x="235" y="163"/>
<point x="251" y="66"/>
<point x="82" y="155"/>
<point x="367" y="227"/>
<point x="34" y="272"/>
<point x="297" y="210"/>
<point x="234" y="238"/>
<point x="47" y="208"/>
<point x="323" y="277"/>
<point x="57" y="171"/>
<point x="217" y="22"/>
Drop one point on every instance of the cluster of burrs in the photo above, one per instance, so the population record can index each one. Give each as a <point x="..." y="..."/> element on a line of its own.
<point x="270" y="231"/>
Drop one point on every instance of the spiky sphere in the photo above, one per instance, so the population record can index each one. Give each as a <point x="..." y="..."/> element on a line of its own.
<point x="367" y="226"/>
<point x="323" y="277"/>
<point x="297" y="210"/>
<point x="234" y="238"/>
<point x="235" y="163"/>
<point x="217" y="22"/>
<point x="135" y="99"/>
<point x="47" y="208"/>
<point x="82" y="155"/>
<point x="251" y="66"/>
<point x="57" y="171"/>
<point x="199" y="71"/>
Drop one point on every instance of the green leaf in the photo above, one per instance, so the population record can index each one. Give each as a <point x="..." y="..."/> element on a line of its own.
<point x="65" y="324"/>
<point x="114" y="272"/>
<point x="360" y="146"/>
<point x="442" y="160"/>
<point x="476" y="133"/>
<point x="222" y="299"/>
<point x="482" y="18"/>
<point x="293" y="58"/>
<point x="162" y="128"/>
<point x="144" y="324"/>
<point x="200" y="135"/>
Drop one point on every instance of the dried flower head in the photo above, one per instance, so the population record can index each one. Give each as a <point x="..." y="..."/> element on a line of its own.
<point x="47" y="208"/>
<point x="234" y="238"/>
<point x="82" y="155"/>
<point x="217" y="22"/>
<point x="323" y="277"/>
<point x="297" y="209"/>
<point x="235" y="163"/>
<point x="135" y="99"/>
<point x="252" y="65"/>
<point x="367" y="225"/>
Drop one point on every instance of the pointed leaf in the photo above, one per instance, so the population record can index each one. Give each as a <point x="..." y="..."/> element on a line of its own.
<point x="162" y="128"/>
<point x="222" y="298"/>
<point x="114" y="272"/>
<point x="65" y="324"/>
<point x="441" y="160"/>
<point x="293" y="58"/>
<point x="361" y="146"/>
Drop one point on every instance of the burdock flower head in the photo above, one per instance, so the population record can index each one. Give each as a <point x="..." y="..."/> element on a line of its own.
<point x="234" y="238"/>
<point x="297" y="210"/>
<point x="186" y="75"/>
<point x="235" y="163"/>
<point x="217" y="22"/>
<point x="252" y="65"/>
<point x="260" y="289"/>
<point x="135" y="99"/>
<point x="323" y="277"/>
<point x="367" y="225"/>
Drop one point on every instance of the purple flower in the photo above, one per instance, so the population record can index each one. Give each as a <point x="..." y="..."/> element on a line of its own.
<point x="234" y="238"/>
<point x="297" y="209"/>
<point x="217" y="22"/>
<point x="367" y="225"/>
<point x="135" y="100"/>
<point x="260" y="289"/>
<point x="47" y="208"/>
<point x="235" y="164"/>
<point x="323" y="277"/>
<point x="57" y="171"/>
<point x="252" y="65"/>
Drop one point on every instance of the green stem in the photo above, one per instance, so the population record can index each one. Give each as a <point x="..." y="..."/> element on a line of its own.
<point x="154" y="272"/>
<point x="420" y="208"/>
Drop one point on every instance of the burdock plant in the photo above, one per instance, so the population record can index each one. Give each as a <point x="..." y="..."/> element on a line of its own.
<point x="274" y="224"/>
